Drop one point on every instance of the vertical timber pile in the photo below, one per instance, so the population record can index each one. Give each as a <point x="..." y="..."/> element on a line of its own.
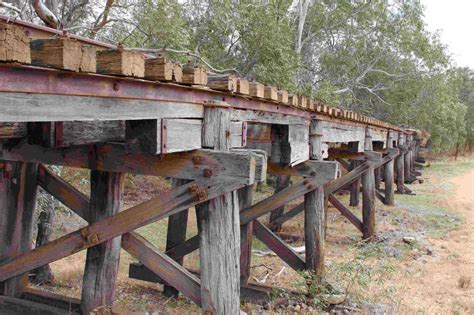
<point x="399" y="164"/>
<point x="368" y="193"/>
<point x="17" y="204"/>
<point x="219" y="229"/>
<point x="246" y="195"/>
<point x="355" y="186"/>
<point x="102" y="260"/>
<point x="407" y="158"/>
<point x="388" y="172"/>
<point x="314" y="207"/>
<point x="176" y="234"/>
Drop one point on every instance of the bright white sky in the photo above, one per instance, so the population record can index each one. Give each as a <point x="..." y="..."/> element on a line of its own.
<point x="454" y="18"/>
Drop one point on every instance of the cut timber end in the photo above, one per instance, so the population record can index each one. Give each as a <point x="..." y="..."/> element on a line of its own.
<point x="194" y="74"/>
<point x="243" y="87"/>
<point x="257" y="89"/>
<point x="271" y="93"/>
<point x="283" y="96"/>
<point x="292" y="100"/>
<point x="161" y="69"/>
<point x="121" y="62"/>
<point x="61" y="53"/>
<point x="220" y="82"/>
<point x="14" y="44"/>
<point x="302" y="101"/>
<point x="88" y="59"/>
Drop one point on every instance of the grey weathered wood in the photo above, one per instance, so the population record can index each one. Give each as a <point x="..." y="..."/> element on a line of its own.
<point x="338" y="132"/>
<point x="25" y="107"/>
<point x="290" y="144"/>
<point x="13" y="306"/>
<point x="17" y="204"/>
<point x="246" y="196"/>
<point x="176" y="234"/>
<point x="158" y="136"/>
<point x="355" y="186"/>
<point x="368" y="195"/>
<point x="282" y="182"/>
<point x="267" y="117"/>
<point x="388" y="174"/>
<point x="108" y="157"/>
<point x="310" y="168"/>
<point x="379" y="135"/>
<point x="259" y="136"/>
<point x="102" y="261"/>
<point x="219" y="227"/>
<point x="238" y="138"/>
<point x="315" y="140"/>
<point x="400" y="165"/>
<point x="314" y="230"/>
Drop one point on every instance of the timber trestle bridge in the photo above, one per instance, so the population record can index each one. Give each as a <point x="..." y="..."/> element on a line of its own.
<point x="71" y="101"/>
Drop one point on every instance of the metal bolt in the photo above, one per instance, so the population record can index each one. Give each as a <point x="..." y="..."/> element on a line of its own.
<point x="313" y="173"/>
<point x="116" y="86"/>
<point x="196" y="160"/>
<point x="207" y="172"/>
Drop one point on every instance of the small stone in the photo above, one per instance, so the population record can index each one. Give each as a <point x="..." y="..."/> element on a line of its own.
<point x="297" y="308"/>
<point x="408" y="239"/>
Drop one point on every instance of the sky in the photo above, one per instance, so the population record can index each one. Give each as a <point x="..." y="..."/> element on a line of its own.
<point x="454" y="18"/>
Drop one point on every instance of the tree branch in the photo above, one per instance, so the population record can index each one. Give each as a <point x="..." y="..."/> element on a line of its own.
<point x="10" y="7"/>
<point x="45" y="14"/>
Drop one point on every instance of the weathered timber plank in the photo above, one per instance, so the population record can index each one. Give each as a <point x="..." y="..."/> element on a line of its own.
<point x="121" y="62"/>
<point x="282" y="182"/>
<point x="238" y="134"/>
<point x="316" y="150"/>
<point x="246" y="196"/>
<point x="166" y="268"/>
<point x="219" y="229"/>
<point x="169" y="203"/>
<point x="355" y="186"/>
<point x="194" y="74"/>
<point x="270" y="93"/>
<point x="314" y="226"/>
<point x="62" y="53"/>
<point x="115" y="158"/>
<point x="14" y="44"/>
<point x="160" y="69"/>
<point x="323" y="169"/>
<point x="274" y="243"/>
<point x="102" y="261"/>
<point x="389" y="174"/>
<point x="290" y="144"/>
<point x="66" y="303"/>
<point x="283" y="96"/>
<point x="176" y="234"/>
<point x="243" y="87"/>
<point x="226" y="82"/>
<point x="159" y="136"/>
<point x="286" y="216"/>
<point x="24" y="107"/>
<point x="345" y="212"/>
<point x="17" y="204"/>
<point x="337" y="132"/>
<point x="368" y="194"/>
<point x="14" y="306"/>
<point x="12" y="130"/>
<point x="257" y="89"/>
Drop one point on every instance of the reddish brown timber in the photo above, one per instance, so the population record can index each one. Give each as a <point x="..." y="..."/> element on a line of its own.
<point x="222" y="82"/>
<point x="67" y="303"/>
<point x="68" y="133"/>
<point x="167" y="269"/>
<point x="102" y="260"/>
<point x="271" y="93"/>
<point x="160" y="69"/>
<point x="344" y="164"/>
<point x="176" y="234"/>
<point x="345" y="212"/>
<point x="354" y="187"/>
<point x="194" y="74"/>
<point x="64" y="192"/>
<point x="10" y="305"/>
<point x="246" y="196"/>
<point x="12" y="130"/>
<point x="256" y="89"/>
<point x="121" y="62"/>
<point x="243" y="87"/>
<point x="274" y="243"/>
<point x="14" y="44"/>
<point x="115" y="158"/>
<point x="62" y="53"/>
<point x="293" y="100"/>
<point x="17" y="204"/>
<point x="283" y="97"/>
<point x="169" y="203"/>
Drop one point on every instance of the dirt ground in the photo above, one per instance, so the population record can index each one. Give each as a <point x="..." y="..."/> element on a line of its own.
<point x="445" y="284"/>
<point x="431" y="274"/>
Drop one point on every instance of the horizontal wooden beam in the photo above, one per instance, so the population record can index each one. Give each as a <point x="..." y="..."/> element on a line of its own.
<point x="326" y="170"/>
<point x="198" y="164"/>
<point x="67" y="303"/>
<point x="10" y="305"/>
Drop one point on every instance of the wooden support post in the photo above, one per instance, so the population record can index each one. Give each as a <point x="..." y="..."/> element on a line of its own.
<point x="406" y="164"/>
<point x="102" y="262"/>
<point x="368" y="194"/>
<point x="400" y="166"/>
<point x="315" y="212"/>
<point x="246" y="195"/>
<point x="355" y="186"/>
<point x="17" y="204"/>
<point x="219" y="229"/>
<point x="388" y="174"/>
<point x="176" y="234"/>
<point x="378" y="177"/>
<point x="282" y="182"/>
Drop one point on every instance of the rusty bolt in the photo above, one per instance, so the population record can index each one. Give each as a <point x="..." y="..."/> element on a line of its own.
<point x="116" y="86"/>
<point x="313" y="173"/>
<point x="311" y="187"/>
<point x="207" y="172"/>
<point x="227" y="133"/>
<point x="197" y="160"/>
<point x="305" y="182"/>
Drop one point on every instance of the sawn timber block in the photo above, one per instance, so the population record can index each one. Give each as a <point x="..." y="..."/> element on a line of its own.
<point x="257" y="89"/>
<point x="162" y="70"/>
<point x="194" y="74"/>
<point x="61" y="53"/>
<point x="14" y="44"/>
<point x="121" y="62"/>
<point x="227" y="82"/>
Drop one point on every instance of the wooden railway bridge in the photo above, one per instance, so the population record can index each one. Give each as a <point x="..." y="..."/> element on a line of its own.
<point x="66" y="100"/>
